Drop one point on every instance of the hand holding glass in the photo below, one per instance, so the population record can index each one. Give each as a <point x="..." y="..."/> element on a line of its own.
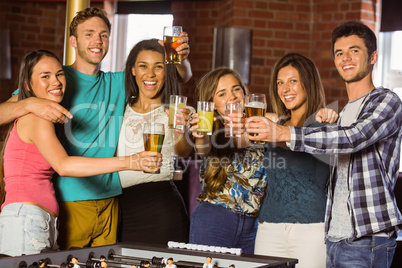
<point x="255" y="105"/>
<point x="230" y="130"/>
<point x="170" y="36"/>
<point x="205" y="110"/>
<point x="153" y="135"/>
<point x="176" y="103"/>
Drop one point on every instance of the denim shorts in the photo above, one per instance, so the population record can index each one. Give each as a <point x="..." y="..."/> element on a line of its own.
<point x="365" y="252"/>
<point x="26" y="229"/>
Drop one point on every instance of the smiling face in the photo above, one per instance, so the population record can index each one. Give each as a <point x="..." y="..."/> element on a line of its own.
<point x="92" y="41"/>
<point x="290" y="89"/>
<point x="149" y="72"/>
<point x="227" y="91"/>
<point x="47" y="80"/>
<point x="352" y="60"/>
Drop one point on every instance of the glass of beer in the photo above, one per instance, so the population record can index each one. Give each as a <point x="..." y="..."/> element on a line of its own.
<point x="170" y="36"/>
<point x="231" y="108"/>
<point x="205" y="110"/>
<point x="177" y="102"/>
<point x="153" y="135"/>
<point x="255" y="105"/>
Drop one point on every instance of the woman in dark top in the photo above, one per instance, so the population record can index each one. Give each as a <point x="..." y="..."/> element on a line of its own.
<point x="291" y="220"/>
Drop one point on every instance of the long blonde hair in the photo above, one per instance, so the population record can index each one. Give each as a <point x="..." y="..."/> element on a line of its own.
<point x="216" y="170"/>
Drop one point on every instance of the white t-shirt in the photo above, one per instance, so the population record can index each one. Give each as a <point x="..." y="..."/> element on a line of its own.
<point x="131" y="142"/>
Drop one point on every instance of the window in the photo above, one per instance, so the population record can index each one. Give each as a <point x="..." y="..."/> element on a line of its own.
<point x="142" y="27"/>
<point x="389" y="66"/>
<point x="127" y="31"/>
<point x="396" y="59"/>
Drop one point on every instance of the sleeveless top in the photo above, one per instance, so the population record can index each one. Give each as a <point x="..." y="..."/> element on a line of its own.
<point x="27" y="175"/>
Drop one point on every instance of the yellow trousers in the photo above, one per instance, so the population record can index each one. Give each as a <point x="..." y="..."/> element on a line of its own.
<point x="89" y="223"/>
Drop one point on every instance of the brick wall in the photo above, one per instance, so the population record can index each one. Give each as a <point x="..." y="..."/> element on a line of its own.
<point x="31" y="26"/>
<point x="278" y="27"/>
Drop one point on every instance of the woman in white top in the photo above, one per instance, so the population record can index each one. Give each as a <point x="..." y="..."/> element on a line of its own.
<point x="152" y="209"/>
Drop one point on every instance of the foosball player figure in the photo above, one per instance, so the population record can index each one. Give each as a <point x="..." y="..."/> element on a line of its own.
<point x="208" y="264"/>
<point x="232" y="266"/>
<point x="145" y="264"/>
<point x="74" y="262"/>
<point x="41" y="263"/>
<point x="170" y="263"/>
<point x="103" y="262"/>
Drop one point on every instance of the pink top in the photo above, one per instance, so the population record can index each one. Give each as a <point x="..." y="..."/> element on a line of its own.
<point x="27" y="175"/>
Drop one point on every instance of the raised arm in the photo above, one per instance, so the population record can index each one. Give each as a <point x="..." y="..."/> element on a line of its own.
<point x="184" y="69"/>
<point x="46" y="109"/>
<point x="380" y="119"/>
<point x="42" y="134"/>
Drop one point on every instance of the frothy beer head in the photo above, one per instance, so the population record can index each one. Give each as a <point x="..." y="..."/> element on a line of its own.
<point x="256" y="104"/>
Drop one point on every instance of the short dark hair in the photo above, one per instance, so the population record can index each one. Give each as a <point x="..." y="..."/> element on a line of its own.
<point x="356" y="28"/>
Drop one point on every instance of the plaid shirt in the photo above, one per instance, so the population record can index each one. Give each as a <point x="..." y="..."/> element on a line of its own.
<point x="373" y="141"/>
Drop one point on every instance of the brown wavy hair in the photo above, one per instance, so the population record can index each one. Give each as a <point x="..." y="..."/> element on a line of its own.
<point x="310" y="81"/>
<point x="216" y="165"/>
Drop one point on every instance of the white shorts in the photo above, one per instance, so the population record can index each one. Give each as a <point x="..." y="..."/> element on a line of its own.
<point x="26" y="229"/>
<point x="305" y="242"/>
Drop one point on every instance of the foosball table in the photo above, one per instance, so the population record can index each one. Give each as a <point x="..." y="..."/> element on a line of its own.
<point x="138" y="256"/>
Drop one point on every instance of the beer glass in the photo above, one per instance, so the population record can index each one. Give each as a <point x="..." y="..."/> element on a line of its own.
<point x="205" y="110"/>
<point x="170" y="36"/>
<point x="177" y="102"/>
<point x="255" y="105"/>
<point x="153" y="135"/>
<point x="231" y="108"/>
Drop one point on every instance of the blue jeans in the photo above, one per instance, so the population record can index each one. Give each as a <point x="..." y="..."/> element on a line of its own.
<point x="213" y="225"/>
<point x="365" y="252"/>
<point x="26" y="229"/>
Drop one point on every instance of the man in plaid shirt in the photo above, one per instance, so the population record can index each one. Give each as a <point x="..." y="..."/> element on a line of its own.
<point x="362" y="219"/>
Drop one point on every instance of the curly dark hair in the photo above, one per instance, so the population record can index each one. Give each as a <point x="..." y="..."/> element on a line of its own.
<point x="171" y="86"/>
